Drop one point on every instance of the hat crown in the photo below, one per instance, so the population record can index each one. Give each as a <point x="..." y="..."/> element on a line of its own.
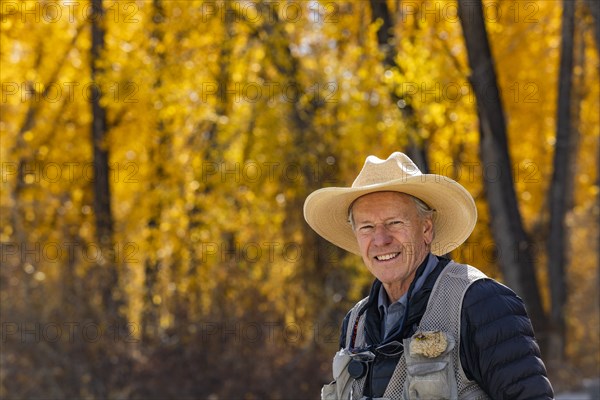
<point x="377" y="171"/>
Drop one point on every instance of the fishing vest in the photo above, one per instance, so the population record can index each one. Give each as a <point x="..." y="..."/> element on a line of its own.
<point x="430" y="366"/>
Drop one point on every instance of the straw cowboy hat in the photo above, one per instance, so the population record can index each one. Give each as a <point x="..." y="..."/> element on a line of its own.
<point x="454" y="217"/>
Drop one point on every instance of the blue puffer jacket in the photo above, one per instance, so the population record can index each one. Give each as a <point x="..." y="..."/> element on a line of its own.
<point x="497" y="346"/>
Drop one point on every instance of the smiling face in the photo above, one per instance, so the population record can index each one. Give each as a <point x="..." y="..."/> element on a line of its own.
<point x="393" y="238"/>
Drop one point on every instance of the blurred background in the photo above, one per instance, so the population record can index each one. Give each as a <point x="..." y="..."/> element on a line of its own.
<point x="155" y="157"/>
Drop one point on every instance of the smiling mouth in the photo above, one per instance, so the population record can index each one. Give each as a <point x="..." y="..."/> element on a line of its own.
<point x="386" y="257"/>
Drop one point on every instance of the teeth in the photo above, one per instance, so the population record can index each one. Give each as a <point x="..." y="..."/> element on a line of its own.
<point x="386" y="257"/>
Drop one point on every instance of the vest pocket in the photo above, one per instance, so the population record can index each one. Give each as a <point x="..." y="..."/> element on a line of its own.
<point x="428" y="381"/>
<point x="429" y="376"/>
<point x="328" y="391"/>
<point x="341" y="387"/>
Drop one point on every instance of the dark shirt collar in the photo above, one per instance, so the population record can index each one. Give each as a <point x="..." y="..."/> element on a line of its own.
<point x="421" y="275"/>
<point x="416" y="305"/>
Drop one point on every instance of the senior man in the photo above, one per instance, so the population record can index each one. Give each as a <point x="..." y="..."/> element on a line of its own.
<point x="430" y="328"/>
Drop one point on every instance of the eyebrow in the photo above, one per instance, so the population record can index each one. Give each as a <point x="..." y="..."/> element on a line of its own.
<point x="367" y="221"/>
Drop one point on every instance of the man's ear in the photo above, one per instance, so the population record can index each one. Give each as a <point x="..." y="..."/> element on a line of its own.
<point x="428" y="230"/>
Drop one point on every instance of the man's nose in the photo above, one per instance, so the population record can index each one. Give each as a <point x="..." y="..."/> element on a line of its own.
<point x="381" y="236"/>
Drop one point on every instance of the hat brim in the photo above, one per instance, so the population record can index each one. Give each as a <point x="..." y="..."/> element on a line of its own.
<point x="326" y="210"/>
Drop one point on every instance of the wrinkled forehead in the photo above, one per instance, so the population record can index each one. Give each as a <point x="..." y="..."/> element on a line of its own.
<point x="377" y="200"/>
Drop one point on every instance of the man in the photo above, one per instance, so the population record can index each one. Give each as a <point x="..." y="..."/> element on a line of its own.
<point x="430" y="328"/>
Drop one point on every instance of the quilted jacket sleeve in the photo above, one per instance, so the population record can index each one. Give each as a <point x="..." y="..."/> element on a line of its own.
<point x="498" y="347"/>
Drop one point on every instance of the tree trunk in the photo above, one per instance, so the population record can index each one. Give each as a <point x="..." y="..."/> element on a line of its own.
<point x="514" y="248"/>
<point x="318" y="255"/>
<point x="561" y="186"/>
<point x="206" y="141"/>
<point x="152" y="265"/>
<point x="386" y="40"/>
<point x="102" y="207"/>
<point x="594" y="9"/>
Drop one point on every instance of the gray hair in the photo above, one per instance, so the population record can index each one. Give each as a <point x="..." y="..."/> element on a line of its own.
<point x="423" y="210"/>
